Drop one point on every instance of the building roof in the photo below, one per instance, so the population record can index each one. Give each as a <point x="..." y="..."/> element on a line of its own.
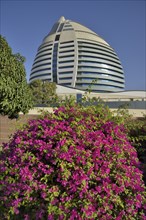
<point x="80" y="30"/>
<point x="135" y="94"/>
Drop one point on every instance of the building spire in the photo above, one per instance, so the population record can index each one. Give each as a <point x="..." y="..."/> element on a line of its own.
<point x="62" y="19"/>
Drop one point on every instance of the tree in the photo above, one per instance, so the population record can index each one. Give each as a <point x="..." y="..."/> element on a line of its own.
<point x="43" y="92"/>
<point x="15" y="95"/>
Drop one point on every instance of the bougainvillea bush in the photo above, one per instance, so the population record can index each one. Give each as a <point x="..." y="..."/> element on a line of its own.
<point x="73" y="164"/>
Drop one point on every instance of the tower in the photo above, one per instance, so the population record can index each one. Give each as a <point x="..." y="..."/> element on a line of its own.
<point x="72" y="55"/>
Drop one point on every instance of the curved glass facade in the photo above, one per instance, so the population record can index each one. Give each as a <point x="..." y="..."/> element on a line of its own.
<point x="73" y="55"/>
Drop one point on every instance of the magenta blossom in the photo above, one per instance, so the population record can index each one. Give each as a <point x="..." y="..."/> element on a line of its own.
<point x="73" y="164"/>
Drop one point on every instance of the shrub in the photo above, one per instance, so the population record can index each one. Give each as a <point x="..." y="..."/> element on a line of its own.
<point x="135" y="129"/>
<point x="73" y="164"/>
<point x="137" y="134"/>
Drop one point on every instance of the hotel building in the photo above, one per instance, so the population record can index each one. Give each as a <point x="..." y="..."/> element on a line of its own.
<point x="74" y="56"/>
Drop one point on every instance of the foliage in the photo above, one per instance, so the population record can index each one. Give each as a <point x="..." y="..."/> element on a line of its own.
<point x="67" y="101"/>
<point x="43" y="92"/>
<point x="90" y="87"/>
<point x="15" y="95"/>
<point x="73" y="164"/>
<point x="136" y="130"/>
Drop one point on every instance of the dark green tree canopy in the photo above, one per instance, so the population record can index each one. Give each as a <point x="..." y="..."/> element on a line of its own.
<point x="15" y="95"/>
<point x="44" y="92"/>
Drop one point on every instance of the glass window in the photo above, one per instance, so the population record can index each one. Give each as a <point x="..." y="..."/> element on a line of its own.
<point x="98" y="48"/>
<point x="54" y="64"/>
<point x="66" y="51"/>
<point x="60" y="27"/>
<point x="66" y="56"/>
<point x="46" y="74"/>
<point x="39" y="52"/>
<point x="46" y="45"/>
<point x="57" y="37"/>
<point x="96" y="62"/>
<point x="65" y="67"/>
<point x="72" y="45"/>
<point x="66" y="42"/>
<point x="45" y="64"/>
<point x="66" y="78"/>
<point x="106" y="57"/>
<point x="40" y="70"/>
<point x="62" y="73"/>
<point x="43" y="55"/>
<point x="67" y="61"/>
<point x="68" y="29"/>
<point x="97" y="45"/>
<point x="66" y="84"/>
<point x="42" y="60"/>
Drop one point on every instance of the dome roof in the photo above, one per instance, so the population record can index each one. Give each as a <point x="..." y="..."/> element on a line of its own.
<point x="79" y="29"/>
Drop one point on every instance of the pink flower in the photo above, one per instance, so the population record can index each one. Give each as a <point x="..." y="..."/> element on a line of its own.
<point x="72" y="164"/>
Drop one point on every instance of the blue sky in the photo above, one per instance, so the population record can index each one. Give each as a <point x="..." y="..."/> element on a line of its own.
<point x="122" y="23"/>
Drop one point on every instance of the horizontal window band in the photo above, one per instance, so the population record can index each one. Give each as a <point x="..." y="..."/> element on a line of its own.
<point x="40" y="70"/>
<point x="68" y="29"/>
<point x="97" y="70"/>
<point x="67" y="61"/>
<point x="66" y="78"/>
<point x="98" y="48"/>
<point x="66" y="84"/>
<point x="66" y="56"/>
<point x="64" y="73"/>
<point x="98" y="85"/>
<point x="104" y="56"/>
<point x="66" y="42"/>
<point x="85" y="50"/>
<point x="42" y="60"/>
<point x="39" y="76"/>
<point x="68" y="25"/>
<point x="99" y="80"/>
<point x="72" y="45"/>
<point x="65" y="67"/>
<point x="100" y="74"/>
<point x="95" y="55"/>
<point x="42" y="55"/>
<point x="46" y="45"/>
<point x="44" y="50"/>
<point x="96" y="67"/>
<point x="66" y="51"/>
<point x="45" y="64"/>
<point x="96" y="45"/>
<point x="100" y="62"/>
